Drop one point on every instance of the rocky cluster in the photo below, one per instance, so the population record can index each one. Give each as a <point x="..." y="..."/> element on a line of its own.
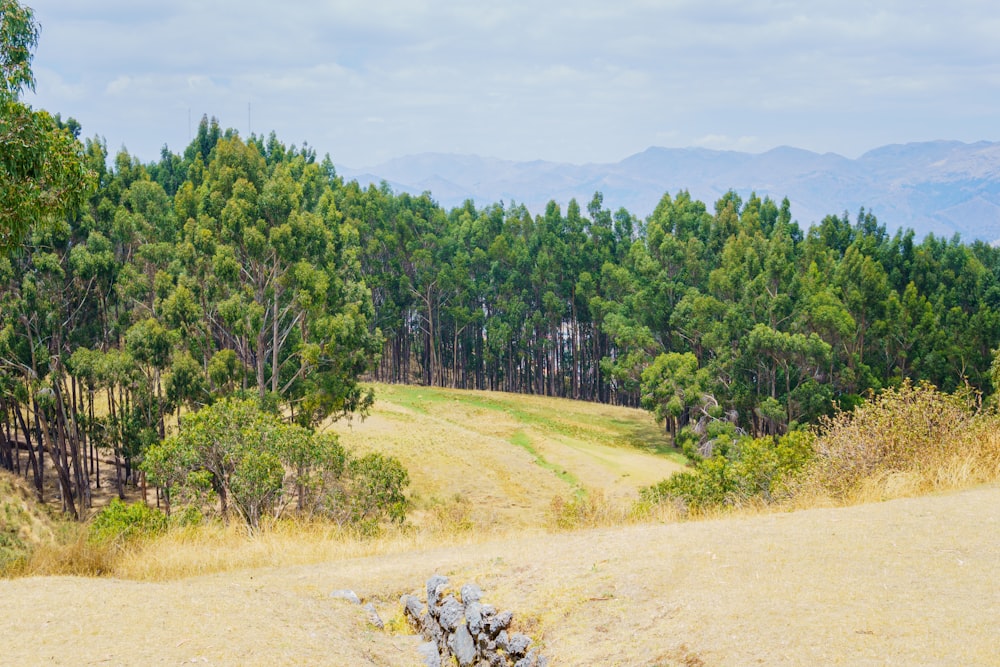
<point x="475" y="634"/>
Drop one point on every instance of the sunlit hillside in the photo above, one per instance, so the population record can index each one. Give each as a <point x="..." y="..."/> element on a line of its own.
<point x="504" y="457"/>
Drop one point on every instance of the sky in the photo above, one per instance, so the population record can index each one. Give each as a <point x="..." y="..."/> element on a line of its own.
<point x="574" y="81"/>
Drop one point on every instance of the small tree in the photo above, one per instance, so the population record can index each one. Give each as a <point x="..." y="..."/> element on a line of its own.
<point x="671" y="386"/>
<point x="257" y="465"/>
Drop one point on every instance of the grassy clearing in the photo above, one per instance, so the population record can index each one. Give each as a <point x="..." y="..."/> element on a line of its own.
<point x="507" y="455"/>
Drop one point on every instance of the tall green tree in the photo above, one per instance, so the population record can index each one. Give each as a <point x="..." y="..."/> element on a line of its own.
<point x="42" y="174"/>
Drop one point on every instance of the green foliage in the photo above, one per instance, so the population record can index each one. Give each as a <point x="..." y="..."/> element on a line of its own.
<point x="255" y="464"/>
<point x="42" y="174"/>
<point x="749" y="470"/>
<point x="672" y="385"/>
<point x="376" y="491"/>
<point x="18" y="38"/>
<point x="120" y="523"/>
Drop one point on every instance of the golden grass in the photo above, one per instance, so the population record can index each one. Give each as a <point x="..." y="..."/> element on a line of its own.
<point x="508" y="455"/>
<point x="73" y="554"/>
<point x="908" y="441"/>
<point x="214" y="548"/>
<point x="24" y="523"/>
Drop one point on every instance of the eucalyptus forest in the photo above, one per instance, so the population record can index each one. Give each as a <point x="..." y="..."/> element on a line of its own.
<point x="190" y="322"/>
<point x="249" y="267"/>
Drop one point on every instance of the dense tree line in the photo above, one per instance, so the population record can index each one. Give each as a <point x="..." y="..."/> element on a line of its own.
<point x="158" y="295"/>
<point x="737" y="316"/>
<point x="248" y="266"/>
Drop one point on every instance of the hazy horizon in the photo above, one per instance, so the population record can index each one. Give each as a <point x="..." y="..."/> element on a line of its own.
<point x="579" y="83"/>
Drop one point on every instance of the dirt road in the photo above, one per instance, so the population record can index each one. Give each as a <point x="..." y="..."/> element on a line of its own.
<point x="907" y="582"/>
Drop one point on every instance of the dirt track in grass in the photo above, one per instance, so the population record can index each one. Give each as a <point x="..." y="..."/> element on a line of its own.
<point x="907" y="582"/>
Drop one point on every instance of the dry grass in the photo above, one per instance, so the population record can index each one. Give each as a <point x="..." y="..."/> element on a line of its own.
<point x="24" y="525"/>
<point x="72" y="554"/>
<point x="215" y="548"/>
<point x="507" y="455"/>
<point x="909" y="581"/>
<point x="908" y="441"/>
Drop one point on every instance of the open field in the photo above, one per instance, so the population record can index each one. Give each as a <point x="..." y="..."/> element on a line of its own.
<point x="906" y="582"/>
<point x="508" y="455"/>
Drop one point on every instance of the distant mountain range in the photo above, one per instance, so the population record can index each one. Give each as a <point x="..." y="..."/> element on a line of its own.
<point x="944" y="187"/>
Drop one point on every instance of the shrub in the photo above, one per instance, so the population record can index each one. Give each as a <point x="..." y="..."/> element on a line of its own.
<point x="908" y="429"/>
<point x="747" y="470"/>
<point x="257" y="466"/>
<point x="377" y="483"/>
<point x="121" y="523"/>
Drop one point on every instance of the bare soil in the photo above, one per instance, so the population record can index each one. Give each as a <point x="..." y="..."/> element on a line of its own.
<point x="906" y="582"/>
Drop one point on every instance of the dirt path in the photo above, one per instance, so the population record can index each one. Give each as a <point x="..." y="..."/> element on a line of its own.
<point x="907" y="582"/>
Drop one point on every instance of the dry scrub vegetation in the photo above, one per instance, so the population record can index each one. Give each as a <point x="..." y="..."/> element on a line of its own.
<point x="907" y="441"/>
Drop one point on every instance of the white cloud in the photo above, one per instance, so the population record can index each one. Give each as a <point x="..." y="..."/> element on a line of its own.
<point x="578" y="81"/>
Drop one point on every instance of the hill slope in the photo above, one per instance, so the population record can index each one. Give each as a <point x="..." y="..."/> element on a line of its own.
<point x="509" y="455"/>
<point x="910" y="581"/>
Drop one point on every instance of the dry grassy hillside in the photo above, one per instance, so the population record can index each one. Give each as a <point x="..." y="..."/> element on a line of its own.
<point x="905" y="582"/>
<point x="909" y="582"/>
<point x="508" y="455"/>
<point x="23" y="523"/>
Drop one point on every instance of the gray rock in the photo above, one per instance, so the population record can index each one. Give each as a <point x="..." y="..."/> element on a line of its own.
<point x="430" y="629"/>
<point x="518" y="644"/>
<point x="474" y="617"/>
<point x="529" y="660"/>
<point x="463" y="647"/>
<point x="489" y="610"/>
<point x="502" y="641"/>
<point x="450" y="613"/>
<point x="429" y="652"/>
<point x="435" y="587"/>
<point x="542" y="661"/>
<point x="497" y="622"/>
<point x="471" y="593"/>
<point x="373" y="616"/>
<point x="413" y="608"/>
<point x="346" y="594"/>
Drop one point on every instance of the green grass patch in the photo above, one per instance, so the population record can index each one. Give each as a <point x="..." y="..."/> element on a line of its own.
<point x="578" y="421"/>
<point x="522" y="440"/>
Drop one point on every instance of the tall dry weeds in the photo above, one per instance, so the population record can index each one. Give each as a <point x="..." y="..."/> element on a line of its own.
<point x="907" y="440"/>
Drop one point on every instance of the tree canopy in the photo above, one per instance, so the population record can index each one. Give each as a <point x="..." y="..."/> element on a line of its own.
<point x="245" y="265"/>
<point x="42" y="175"/>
